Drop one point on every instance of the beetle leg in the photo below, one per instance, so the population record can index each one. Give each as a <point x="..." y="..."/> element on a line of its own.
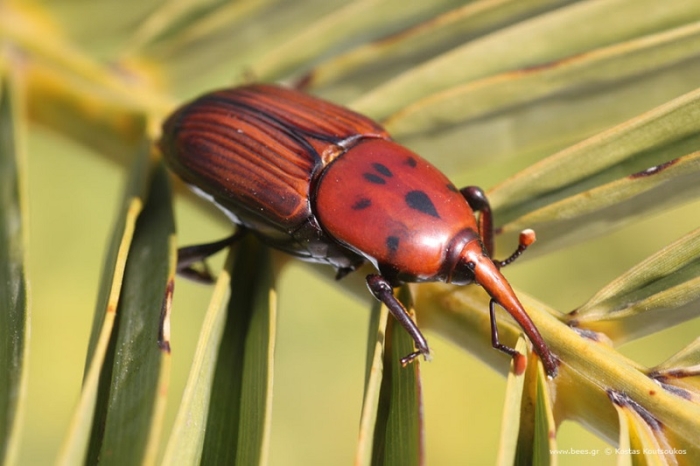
<point x="190" y="255"/>
<point x="382" y="290"/>
<point x="478" y="201"/>
<point x="495" y="342"/>
<point x="341" y="272"/>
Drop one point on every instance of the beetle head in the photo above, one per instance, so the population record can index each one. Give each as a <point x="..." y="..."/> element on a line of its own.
<point x="474" y="265"/>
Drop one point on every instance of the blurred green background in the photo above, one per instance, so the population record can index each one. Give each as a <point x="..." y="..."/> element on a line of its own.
<point x="73" y="198"/>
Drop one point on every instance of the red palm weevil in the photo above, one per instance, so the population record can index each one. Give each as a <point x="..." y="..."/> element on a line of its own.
<point x="328" y="185"/>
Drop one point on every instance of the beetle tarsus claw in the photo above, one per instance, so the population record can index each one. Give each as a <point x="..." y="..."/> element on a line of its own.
<point x="188" y="256"/>
<point x="408" y="359"/>
<point x="200" y="276"/>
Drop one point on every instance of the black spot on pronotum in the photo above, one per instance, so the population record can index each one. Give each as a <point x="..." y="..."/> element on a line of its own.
<point x="411" y="162"/>
<point x="383" y="169"/>
<point x="420" y="201"/>
<point x="361" y="204"/>
<point x="372" y="178"/>
<point x="375" y="178"/>
<point x="392" y="242"/>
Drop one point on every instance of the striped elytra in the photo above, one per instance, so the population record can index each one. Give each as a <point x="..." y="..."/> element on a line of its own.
<point x="329" y="185"/>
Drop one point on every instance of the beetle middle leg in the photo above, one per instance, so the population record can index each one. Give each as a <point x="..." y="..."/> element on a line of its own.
<point x="383" y="291"/>
<point x="188" y="256"/>
<point x="477" y="200"/>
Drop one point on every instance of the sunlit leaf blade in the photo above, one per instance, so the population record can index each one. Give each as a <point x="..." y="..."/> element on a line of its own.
<point x="509" y="91"/>
<point x="660" y="292"/>
<point x="223" y="39"/>
<point x="182" y="38"/>
<point x="627" y="148"/>
<point x="370" y="18"/>
<point x="154" y="432"/>
<point x="686" y="358"/>
<point x="107" y="29"/>
<point x="633" y="168"/>
<point x="545" y="428"/>
<point x="239" y="413"/>
<point x="74" y="447"/>
<point x="377" y="61"/>
<point x="135" y="194"/>
<point x="59" y="57"/>
<point x="512" y="406"/>
<point x="542" y="39"/>
<point x="589" y="365"/>
<point x="644" y="435"/>
<point x="399" y="429"/>
<point x="75" y="93"/>
<point x="105" y="124"/>
<point x="601" y="209"/>
<point x="127" y="417"/>
<point x="681" y="372"/>
<point x="27" y="29"/>
<point x="187" y="438"/>
<point x="188" y="21"/>
<point x="536" y="434"/>
<point x="373" y="384"/>
<point x="14" y="309"/>
<point x="624" y="440"/>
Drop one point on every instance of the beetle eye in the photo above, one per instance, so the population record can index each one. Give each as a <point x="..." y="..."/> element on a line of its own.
<point x="463" y="273"/>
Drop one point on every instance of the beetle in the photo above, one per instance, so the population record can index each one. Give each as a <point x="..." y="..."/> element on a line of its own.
<point x="328" y="185"/>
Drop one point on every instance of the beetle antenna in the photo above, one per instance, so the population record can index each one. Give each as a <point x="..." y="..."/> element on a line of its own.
<point x="527" y="237"/>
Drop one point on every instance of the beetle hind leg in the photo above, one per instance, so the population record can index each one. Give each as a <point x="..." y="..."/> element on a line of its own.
<point x="189" y="256"/>
<point x="383" y="291"/>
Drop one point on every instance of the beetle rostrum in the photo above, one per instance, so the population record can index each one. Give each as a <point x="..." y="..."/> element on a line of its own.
<point x="328" y="185"/>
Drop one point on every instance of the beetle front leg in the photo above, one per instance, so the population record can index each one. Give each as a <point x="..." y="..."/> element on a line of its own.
<point x="187" y="256"/>
<point x="383" y="291"/>
<point x="477" y="200"/>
